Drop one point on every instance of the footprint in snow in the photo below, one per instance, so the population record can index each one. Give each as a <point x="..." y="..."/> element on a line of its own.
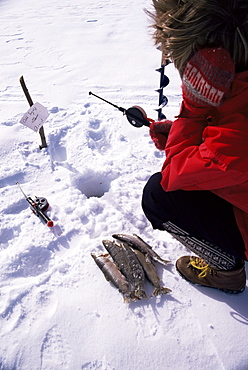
<point x="12" y="179"/>
<point x="97" y="365"/>
<point x="97" y="136"/>
<point x="56" y="353"/>
<point x="32" y="262"/>
<point x="7" y="234"/>
<point x="57" y="149"/>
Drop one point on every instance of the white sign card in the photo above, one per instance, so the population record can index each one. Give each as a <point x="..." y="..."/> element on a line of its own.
<point x="35" y="117"/>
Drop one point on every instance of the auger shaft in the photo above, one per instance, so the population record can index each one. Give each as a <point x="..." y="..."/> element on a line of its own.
<point x="164" y="81"/>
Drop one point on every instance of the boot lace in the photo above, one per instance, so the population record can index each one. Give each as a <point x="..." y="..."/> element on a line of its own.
<point x="200" y="264"/>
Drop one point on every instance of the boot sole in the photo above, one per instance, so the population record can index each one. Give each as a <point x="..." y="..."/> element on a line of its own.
<point x="227" y="291"/>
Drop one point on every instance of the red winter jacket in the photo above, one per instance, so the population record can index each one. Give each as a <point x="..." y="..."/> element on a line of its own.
<point x="211" y="152"/>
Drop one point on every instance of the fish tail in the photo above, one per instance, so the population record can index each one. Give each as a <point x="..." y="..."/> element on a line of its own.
<point x="160" y="291"/>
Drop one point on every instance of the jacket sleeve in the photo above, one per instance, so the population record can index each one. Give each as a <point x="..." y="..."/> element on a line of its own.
<point x="202" y="157"/>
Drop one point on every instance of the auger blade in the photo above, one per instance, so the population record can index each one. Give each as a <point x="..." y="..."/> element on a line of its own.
<point x="163" y="101"/>
<point x="160" y="69"/>
<point x="164" y="82"/>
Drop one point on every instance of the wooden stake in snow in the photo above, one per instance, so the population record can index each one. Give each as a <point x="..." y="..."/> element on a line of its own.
<point x="30" y="101"/>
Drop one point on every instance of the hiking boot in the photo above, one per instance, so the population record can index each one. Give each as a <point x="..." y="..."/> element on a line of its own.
<point x="197" y="271"/>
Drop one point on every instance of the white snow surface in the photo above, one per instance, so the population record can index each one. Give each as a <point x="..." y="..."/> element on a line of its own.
<point x="57" y="311"/>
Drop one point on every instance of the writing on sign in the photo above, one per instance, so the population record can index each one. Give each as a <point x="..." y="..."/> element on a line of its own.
<point x="35" y="117"/>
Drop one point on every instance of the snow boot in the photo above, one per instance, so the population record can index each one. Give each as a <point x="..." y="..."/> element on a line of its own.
<point x="197" y="271"/>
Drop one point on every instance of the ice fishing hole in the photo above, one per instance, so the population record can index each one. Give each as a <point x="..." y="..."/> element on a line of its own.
<point x="93" y="183"/>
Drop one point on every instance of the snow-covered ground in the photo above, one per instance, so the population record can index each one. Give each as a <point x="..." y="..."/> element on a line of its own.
<point x="56" y="309"/>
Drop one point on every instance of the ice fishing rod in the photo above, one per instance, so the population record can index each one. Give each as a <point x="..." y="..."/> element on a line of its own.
<point x="38" y="207"/>
<point x="135" y="115"/>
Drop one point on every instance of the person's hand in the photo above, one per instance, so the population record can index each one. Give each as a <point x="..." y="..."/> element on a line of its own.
<point x="159" y="131"/>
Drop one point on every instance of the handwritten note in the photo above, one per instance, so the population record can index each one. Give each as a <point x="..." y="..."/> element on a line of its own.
<point x="35" y="117"/>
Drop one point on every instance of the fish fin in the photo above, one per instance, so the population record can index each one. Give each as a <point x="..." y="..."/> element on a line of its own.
<point x="127" y="299"/>
<point x="140" y="293"/>
<point x="160" y="291"/>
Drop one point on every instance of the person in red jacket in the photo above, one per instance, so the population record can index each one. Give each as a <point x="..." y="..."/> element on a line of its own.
<point x="201" y="194"/>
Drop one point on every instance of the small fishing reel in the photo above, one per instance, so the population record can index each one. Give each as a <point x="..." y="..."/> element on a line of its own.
<point x="137" y="116"/>
<point x="41" y="203"/>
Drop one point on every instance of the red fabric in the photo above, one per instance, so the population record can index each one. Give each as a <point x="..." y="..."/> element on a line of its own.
<point x="207" y="149"/>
